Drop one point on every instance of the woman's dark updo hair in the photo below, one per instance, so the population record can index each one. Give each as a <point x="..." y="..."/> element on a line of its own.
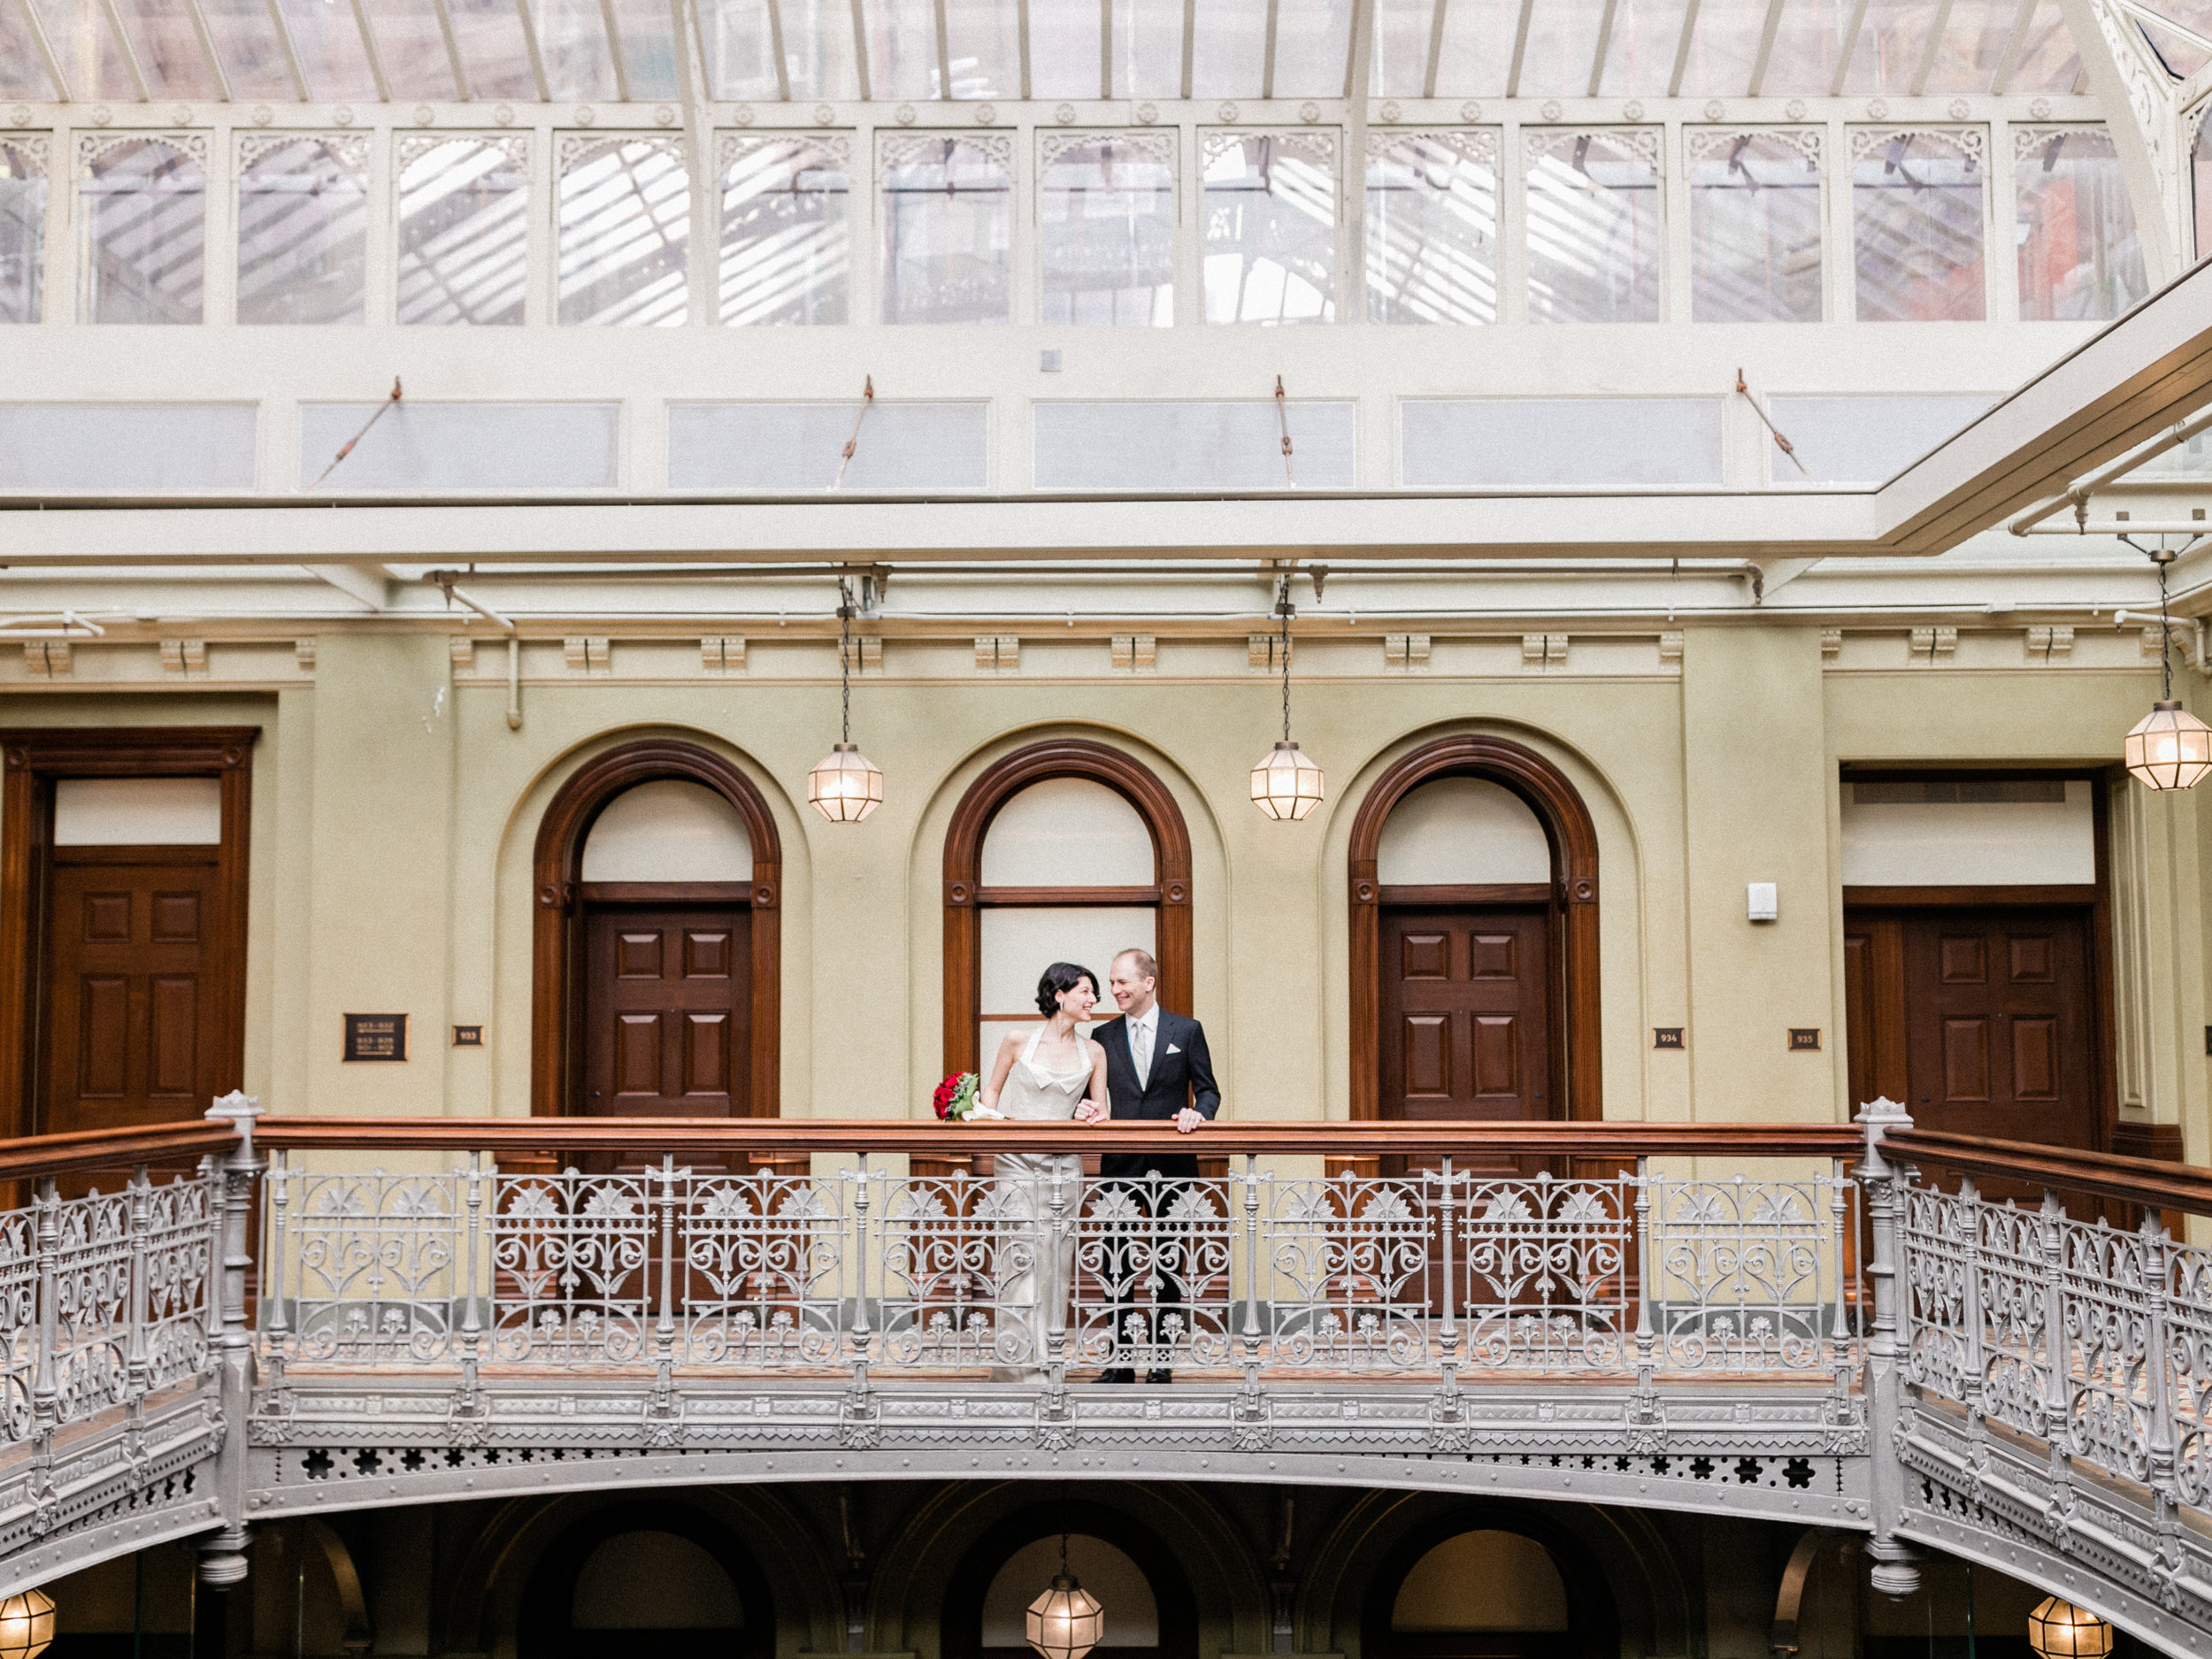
<point x="1061" y="976"/>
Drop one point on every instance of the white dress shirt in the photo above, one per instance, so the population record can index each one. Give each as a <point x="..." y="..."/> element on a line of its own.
<point x="1144" y="1031"/>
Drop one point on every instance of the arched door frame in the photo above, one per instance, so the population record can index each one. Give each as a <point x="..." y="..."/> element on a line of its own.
<point x="1567" y="825"/>
<point x="966" y="896"/>
<point x="1593" y="1611"/>
<point x="557" y="945"/>
<point x="550" y="1588"/>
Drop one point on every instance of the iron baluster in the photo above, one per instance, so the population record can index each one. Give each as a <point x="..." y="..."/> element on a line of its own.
<point x="1645" y="1394"/>
<point x="1449" y="1334"/>
<point x="1251" y="1274"/>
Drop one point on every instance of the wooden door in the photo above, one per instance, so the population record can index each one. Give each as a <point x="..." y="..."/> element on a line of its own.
<point x="1979" y="1019"/>
<point x="1466" y="1017"/>
<point x="667" y="1010"/>
<point x="134" y="1015"/>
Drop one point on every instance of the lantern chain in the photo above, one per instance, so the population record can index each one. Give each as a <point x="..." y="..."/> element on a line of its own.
<point x="845" y="658"/>
<point x="1284" y="610"/>
<point x="2163" y="558"/>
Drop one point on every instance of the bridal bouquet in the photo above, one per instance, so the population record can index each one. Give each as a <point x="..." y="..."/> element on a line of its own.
<point x="955" y="1096"/>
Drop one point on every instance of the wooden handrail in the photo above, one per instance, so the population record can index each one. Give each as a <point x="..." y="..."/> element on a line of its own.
<point x="39" y="1155"/>
<point x="2146" y="1181"/>
<point x="772" y="1136"/>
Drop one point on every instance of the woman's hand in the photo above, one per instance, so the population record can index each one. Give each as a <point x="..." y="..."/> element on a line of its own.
<point x="1090" y="1112"/>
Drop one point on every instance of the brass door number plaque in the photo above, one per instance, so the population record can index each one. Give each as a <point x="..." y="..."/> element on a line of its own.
<point x="1804" y="1040"/>
<point x="1666" y="1037"/>
<point x="376" y="1037"/>
<point x="468" y="1036"/>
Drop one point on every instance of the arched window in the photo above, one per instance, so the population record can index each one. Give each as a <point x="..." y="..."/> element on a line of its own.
<point x="656" y="943"/>
<point x="1064" y="851"/>
<point x="1473" y="877"/>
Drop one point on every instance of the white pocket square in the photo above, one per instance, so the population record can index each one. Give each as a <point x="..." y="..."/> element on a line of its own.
<point x="1171" y="1048"/>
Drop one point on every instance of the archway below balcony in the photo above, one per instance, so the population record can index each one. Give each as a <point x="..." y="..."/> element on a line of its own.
<point x="647" y="1575"/>
<point x="1149" y="1610"/>
<point x="1470" y="1585"/>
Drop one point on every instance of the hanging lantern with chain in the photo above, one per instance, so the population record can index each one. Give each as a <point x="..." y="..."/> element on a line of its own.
<point x="846" y="786"/>
<point x="1286" y="785"/>
<point x="2168" y="748"/>
<point x="27" y="1625"/>
<point x="1066" y="1622"/>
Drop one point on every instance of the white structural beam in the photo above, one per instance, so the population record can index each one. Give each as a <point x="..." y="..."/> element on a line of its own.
<point x="2138" y="103"/>
<point x="370" y="585"/>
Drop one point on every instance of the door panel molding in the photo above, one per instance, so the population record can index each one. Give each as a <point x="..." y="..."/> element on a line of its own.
<point x="1572" y="893"/>
<point x="556" y="1035"/>
<point x="34" y="758"/>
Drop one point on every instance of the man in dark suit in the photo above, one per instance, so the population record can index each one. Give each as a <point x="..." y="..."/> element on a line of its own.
<point x="1156" y="1067"/>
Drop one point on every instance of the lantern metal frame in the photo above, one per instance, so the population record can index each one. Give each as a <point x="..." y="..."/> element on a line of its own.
<point x="845" y="786"/>
<point x="1082" y="1619"/>
<point x="2169" y="748"/>
<point x="1286" y="784"/>
<point x="27" y="1625"/>
<point x="2059" y="1630"/>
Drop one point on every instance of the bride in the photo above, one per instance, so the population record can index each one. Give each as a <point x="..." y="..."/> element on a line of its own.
<point x="1047" y="1074"/>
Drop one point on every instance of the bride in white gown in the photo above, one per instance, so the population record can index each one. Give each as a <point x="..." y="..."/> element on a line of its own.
<point x="1045" y="1073"/>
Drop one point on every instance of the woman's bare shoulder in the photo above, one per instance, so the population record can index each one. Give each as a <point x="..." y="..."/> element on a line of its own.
<point x="1011" y="1043"/>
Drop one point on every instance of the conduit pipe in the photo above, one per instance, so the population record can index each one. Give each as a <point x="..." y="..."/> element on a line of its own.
<point x="2078" y="496"/>
<point x="2125" y="527"/>
<point x="2190" y="628"/>
<point x="444" y="582"/>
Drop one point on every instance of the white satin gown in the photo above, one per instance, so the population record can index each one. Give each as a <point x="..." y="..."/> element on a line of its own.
<point x="1033" y="1277"/>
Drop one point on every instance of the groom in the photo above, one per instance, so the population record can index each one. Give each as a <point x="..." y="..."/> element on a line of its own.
<point x="1156" y="1067"/>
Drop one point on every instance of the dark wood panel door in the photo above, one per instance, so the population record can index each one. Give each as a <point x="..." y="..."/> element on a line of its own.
<point x="133" y="1028"/>
<point x="668" y="1002"/>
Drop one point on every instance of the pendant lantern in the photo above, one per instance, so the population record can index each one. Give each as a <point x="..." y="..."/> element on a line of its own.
<point x="2168" y="748"/>
<point x="27" y="1625"/>
<point x="1286" y="785"/>
<point x="1066" y="1622"/>
<point x="845" y="786"/>
<point x="2059" y="1630"/>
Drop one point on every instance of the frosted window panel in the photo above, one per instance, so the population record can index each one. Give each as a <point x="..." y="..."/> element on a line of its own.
<point x="1015" y="944"/>
<point x="2080" y="259"/>
<point x="1462" y="832"/>
<point x="332" y="59"/>
<point x="2048" y="62"/>
<point x="461" y="446"/>
<point x="168" y="48"/>
<point x="1891" y="42"/>
<point x="21" y="73"/>
<point x="573" y="42"/>
<point x="303" y="229"/>
<point x="1864" y="440"/>
<point x="1809" y="43"/>
<point x="1106" y="223"/>
<point x="1229" y="48"/>
<point x="1155" y="446"/>
<point x="138" y="812"/>
<point x="1453" y="443"/>
<point x="2201" y="185"/>
<point x="1724" y="49"/>
<point x="818" y="47"/>
<point x="1640" y="56"/>
<point x="411" y="47"/>
<point x="463" y="230"/>
<point x="1478" y="48"/>
<point x="2028" y="833"/>
<point x="1973" y="47"/>
<point x="1916" y="226"/>
<point x="1755" y="227"/>
<point x="626" y="227"/>
<point x="489" y="35"/>
<point x="1063" y="47"/>
<point x="88" y="49"/>
<point x="1561" y="49"/>
<point x="1118" y="1582"/>
<point x="1147" y="51"/>
<point x="1068" y="832"/>
<point x="774" y="447"/>
<point x="669" y="831"/>
<point x="119" y="448"/>
<point x="983" y="48"/>
<point x="246" y="42"/>
<point x="1593" y="226"/>
<point x="739" y="48"/>
<point x="142" y="217"/>
<point x="649" y="47"/>
<point x="1398" y="63"/>
<point x="786" y="232"/>
<point x="1313" y="39"/>
<point x="948" y="221"/>
<point x="1432" y="230"/>
<point x="1270" y="227"/>
<point x="902" y="48"/>
<point x="22" y="234"/>
<point x="2181" y="56"/>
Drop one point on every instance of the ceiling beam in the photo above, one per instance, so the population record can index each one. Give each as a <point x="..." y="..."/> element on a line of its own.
<point x="370" y="585"/>
<point x="614" y="52"/>
<point x="282" y="26"/>
<point x="207" y="50"/>
<point x="46" y="50"/>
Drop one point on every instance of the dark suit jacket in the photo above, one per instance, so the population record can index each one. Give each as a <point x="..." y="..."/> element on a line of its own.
<point x="1182" y="1075"/>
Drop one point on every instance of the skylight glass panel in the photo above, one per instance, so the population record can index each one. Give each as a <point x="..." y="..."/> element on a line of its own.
<point x="141" y="231"/>
<point x="493" y="51"/>
<point x="1808" y="44"/>
<point x="1270" y="227"/>
<point x="246" y="42"/>
<point x="983" y="49"/>
<point x="787" y="231"/>
<point x="1433" y="229"/>
<point x="1973" y="47"/>
<point x="1063" y="45"/>
<point x="572" y="40"/>
<point x="818" y="47"/>
<point x="1640" y="56"/>
<point x="170" y="55"/>
<point x="1755" y="225"/>
<point x="948" y="227"/>
<point x="1593" y="214"/>
<point x="1478" y="48"/>
<point x="411" y="47"/>
<point x="739" y="52"/>
<point x="464" y="228"/>
<point x="649" y="47"/>
<point x="1147" y="51"/>
<point x="22" y="231"/>
<point x="22" y="74"/>
<point x="303" y="223"/>
<point x="1891" y="41"/>
<point x="2079" y="256"/>
<point x="2048" y="63"/>
<point x="1106" y="221"/>
<point x="902" y="48"/>
<point x="1562" y="49"/>
<point x="332" y="61"/>
<point x="1313" y="39"/>
<point x="1398" y="62"/>
<point x="1229" y="49"/>
<point x="79" y="33"/>
<point x="2200" y="186"/>
<point x="1917" y="225"/>
<point x="625" y="231"/>
<point x="1724" y="49"/>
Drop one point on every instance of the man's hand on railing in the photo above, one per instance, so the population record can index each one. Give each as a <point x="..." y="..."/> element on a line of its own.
<point x="1188" y="1119"/>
